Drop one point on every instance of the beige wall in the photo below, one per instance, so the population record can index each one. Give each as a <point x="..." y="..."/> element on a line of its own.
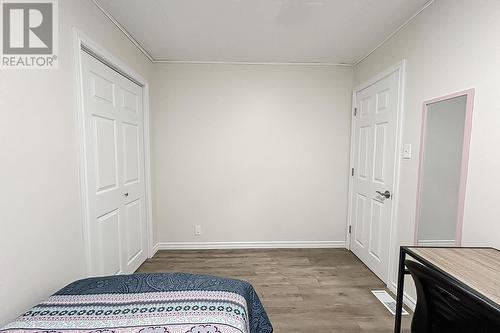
<point x="450" y="46"/>
<point x="40" y="230"/>
<point x="250" y="152"/>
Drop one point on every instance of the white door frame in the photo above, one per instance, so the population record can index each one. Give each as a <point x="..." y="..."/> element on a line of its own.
<point x="401" y="69"/>
<point x="81" y="41"/>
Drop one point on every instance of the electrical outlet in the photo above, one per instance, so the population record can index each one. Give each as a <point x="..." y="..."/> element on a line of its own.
<point x="197" y="230"/>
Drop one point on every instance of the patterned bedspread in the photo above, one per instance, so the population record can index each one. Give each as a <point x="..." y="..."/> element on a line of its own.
<point x="149" y="303"/>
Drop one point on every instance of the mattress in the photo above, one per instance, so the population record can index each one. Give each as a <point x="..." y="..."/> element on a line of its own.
<point x="149" y="303"/>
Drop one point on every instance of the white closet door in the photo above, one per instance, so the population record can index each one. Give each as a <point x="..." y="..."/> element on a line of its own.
<point x="114" y="151"/>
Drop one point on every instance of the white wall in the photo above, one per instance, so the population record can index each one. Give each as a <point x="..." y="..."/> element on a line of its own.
<point x="250" y="152"/>
<point x="450" y="46"/>
<point x="40" y="230"/>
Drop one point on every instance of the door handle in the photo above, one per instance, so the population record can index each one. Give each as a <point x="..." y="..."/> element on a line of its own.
<point x="126" y="195"/>
<point x="386" y="194"/>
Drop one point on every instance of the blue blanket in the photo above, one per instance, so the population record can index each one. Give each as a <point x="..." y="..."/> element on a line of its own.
<point x="149" y="303"/>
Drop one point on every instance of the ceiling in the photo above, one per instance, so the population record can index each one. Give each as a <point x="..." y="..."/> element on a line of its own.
<point x="275" y="31"/>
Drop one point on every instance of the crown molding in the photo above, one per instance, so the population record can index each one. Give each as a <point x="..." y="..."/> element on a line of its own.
<point x="427" y="4"/>
<point x="123" y="30"/>
<point x="187" y="62"/>
<point x="190" y="62"/>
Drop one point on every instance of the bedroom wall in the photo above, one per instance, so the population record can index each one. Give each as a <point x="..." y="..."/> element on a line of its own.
<point x="452" y="45"/>
<point x="40" y="230"/>
<point x="252" y="153"/>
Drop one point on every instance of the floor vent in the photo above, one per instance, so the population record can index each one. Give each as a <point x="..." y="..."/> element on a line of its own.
<point x="387" y="300"/>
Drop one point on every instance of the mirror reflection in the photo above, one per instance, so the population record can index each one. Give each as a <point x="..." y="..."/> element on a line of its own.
<point x="443" y="169"/>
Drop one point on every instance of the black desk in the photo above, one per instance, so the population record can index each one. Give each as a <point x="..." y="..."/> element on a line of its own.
<point x="475" y="269"/>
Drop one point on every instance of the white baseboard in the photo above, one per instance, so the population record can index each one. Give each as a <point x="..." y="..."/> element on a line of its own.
<point x="248" y="245"/>
<point x="154" y="249"/>
<point x="436" y="242"/>
<point x="407" y="300"/>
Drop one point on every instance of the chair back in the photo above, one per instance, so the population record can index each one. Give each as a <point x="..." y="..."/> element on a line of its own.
<point x="444" y="307"/>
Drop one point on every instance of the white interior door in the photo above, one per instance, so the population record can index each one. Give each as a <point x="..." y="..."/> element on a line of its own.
<point x="114" y="152"/>
<point x="374" y="162"/>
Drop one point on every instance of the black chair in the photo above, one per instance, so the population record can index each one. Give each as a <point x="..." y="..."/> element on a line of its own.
<point x="444" y="307"/>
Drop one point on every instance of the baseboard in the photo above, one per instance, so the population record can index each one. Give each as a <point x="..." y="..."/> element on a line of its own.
<point x="436" y="242"/>
<point x="155" y="249"/>
<point x="249" y="245"/>
<point x="407" y="300"/>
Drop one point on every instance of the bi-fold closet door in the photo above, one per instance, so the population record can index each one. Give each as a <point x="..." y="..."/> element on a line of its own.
<point x="115" y="181"/>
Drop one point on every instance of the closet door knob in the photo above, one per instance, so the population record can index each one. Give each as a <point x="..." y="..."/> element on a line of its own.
<point x="126" y="195"/>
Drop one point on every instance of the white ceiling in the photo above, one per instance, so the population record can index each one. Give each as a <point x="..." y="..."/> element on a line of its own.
<point x="305" y="31"/>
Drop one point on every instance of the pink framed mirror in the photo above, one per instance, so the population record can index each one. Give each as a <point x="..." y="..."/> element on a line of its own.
<point x="443" y="166"/>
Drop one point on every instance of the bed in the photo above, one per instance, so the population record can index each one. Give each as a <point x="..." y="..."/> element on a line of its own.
<point x="149" y="303"/>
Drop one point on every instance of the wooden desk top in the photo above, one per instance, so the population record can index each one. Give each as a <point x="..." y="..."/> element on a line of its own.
<point x="478" y="268"/>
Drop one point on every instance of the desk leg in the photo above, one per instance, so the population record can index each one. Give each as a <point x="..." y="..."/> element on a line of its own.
<point x="399" y="296"/>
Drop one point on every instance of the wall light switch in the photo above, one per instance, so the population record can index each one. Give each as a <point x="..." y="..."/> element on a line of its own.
<point x="407" y="151"/>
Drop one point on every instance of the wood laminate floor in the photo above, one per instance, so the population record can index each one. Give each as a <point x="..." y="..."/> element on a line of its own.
<point x="303" y="290"/>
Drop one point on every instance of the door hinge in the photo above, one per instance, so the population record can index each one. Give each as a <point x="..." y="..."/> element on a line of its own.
<point x="349" y="229"/>
<point x="352" y="172"/>
<point x="355" y="112"/>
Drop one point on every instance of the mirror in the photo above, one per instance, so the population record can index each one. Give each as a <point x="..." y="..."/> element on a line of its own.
<point x="444" y="154"/>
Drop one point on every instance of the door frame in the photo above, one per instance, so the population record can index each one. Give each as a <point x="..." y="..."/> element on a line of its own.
<point x="81" y="42"/>
<point x="400" y="67"/>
